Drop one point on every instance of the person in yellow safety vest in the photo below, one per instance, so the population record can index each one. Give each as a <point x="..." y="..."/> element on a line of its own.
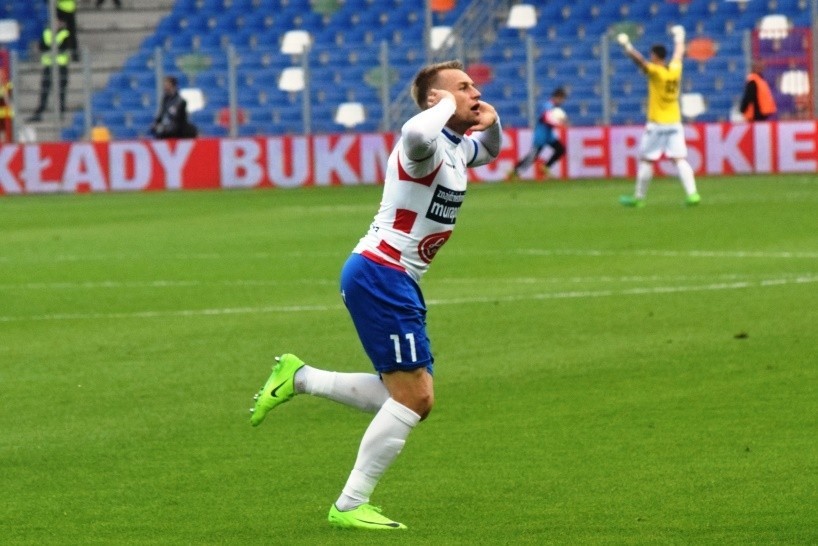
<point x="46" y="61"/>
<point x="757" y="101"/>
<point x="67" y="11"/>
<point x="6" y="111"/>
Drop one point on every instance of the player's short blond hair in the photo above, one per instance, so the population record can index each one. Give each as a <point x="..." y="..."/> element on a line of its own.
<point x="426" y="77"/>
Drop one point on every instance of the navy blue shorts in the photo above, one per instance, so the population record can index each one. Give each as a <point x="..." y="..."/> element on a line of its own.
<point x="389" y="313"/>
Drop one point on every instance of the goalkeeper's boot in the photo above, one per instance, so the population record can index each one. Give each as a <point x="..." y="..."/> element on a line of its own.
<point x="279" y="388"/>
<point x="631" y="201"/>
<point x="692" y="200"/>
<point x="364" y="516"/>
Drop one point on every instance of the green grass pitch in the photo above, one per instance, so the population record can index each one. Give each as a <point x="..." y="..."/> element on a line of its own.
<point x="604" y="375"/>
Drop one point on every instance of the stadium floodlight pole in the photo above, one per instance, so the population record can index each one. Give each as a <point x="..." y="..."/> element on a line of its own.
<point x="384" y="88"/>
<point x="461" y="51"/>
<point x="427" y="30"/>
<point x="529" y="80"/>
<point x="605" y="80"/>
<point x="54" y="99"/>
<point x="814" y="27"/>
<point x="232" y="92"/>
<point x="15" y="84"/>
<point x="305" y="93"/>
<point x="87" y="88"/>
<point x="159" y="70"/>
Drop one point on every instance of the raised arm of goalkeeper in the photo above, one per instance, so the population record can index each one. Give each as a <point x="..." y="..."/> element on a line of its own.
<point x="678" y="33"/>
<point x="625" y="41"/>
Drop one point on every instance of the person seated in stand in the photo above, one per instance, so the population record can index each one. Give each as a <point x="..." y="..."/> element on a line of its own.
<point x="171" y="119"/>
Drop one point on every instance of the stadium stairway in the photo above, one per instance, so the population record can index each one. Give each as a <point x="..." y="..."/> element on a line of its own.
<point x="110" y="35"/>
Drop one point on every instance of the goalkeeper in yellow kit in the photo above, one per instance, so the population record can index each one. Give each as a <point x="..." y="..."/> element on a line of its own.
<point x="664" y="134"/>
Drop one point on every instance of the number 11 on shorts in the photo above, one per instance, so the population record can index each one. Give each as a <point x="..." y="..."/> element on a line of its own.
<point x="410" y="337"/>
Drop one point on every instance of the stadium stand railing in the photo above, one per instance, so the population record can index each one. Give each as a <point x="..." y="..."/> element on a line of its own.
<point x="346" y="62"/>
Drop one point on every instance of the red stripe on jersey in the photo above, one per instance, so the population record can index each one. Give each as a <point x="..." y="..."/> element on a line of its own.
<point x="379" y="260"/>
<point x="389" y="250"/>
<point x="425" y="180"/>
<point x="404" y="220"/>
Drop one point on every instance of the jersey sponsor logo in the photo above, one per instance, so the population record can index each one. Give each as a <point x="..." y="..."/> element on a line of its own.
<point x="428" y="247"/>
<point x="445" y="205"/>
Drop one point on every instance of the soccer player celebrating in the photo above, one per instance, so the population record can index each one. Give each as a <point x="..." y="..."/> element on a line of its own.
<point x="664" y="133"/>
<point x="426" y="179"/>
<point x="545" y="134"/>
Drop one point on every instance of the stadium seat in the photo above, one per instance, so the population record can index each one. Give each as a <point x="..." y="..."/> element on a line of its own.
<point x="522" y="16"/>
<point x="350" y="114"/>
<point x="693" y="105"/>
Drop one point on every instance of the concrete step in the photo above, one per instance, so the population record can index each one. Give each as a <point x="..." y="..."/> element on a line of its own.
<point x="98" y="20"/>
<point x="40" y="131"/>
<point x="111" y="36"/>
<point x="123" y="40"/>
<point x="89" y="6"/>
<point x="28" y="94"/>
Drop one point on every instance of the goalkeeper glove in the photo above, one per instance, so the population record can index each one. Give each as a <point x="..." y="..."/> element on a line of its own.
<point x="678" y="32"/>
<point x="624" y="41"/>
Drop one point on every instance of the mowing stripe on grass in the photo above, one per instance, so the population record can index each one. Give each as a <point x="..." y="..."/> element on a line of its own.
<point x="451" y="301"/>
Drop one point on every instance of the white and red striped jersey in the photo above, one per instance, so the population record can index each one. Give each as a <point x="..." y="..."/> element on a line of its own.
<point x="421" y="198"/>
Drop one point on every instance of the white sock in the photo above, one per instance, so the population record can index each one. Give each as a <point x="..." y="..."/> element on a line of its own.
<point x="686" y="176"/>
<point x="364" y="391"/>
<point x="644" y="174"/>
<point x="381" y="444"/>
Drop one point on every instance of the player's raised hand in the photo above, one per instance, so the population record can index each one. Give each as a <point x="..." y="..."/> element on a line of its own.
<point x="488" y="117"/>
<point x="436" y="95"/>
<point x="624" y="40"/>
<point x="678" y="33"/>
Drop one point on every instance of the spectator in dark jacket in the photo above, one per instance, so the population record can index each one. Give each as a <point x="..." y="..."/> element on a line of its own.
<point x="171" y="120"/>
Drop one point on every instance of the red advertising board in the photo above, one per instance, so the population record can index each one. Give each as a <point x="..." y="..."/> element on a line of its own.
<point x="350" y="159"/>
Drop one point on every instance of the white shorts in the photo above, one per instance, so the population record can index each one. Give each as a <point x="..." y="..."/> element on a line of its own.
<point x="660" y="138"/>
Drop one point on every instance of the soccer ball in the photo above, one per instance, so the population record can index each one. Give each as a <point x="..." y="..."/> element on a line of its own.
<point x="557" y="115"/>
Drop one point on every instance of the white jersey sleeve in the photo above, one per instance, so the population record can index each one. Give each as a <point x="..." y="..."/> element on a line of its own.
<point x="426" y="179"/>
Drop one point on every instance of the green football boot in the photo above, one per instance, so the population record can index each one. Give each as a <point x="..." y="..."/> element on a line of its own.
<point x="365" y="516"/>
<point x="278" y="389"/>
<point x="692" y="200"/>
<point x="631" y="201"/>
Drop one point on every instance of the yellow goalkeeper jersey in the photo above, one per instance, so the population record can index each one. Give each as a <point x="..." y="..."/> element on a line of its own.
<point x="663" y="92"/>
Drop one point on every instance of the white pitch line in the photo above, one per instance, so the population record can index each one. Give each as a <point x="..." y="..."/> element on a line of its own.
<point x="629" y="291"/>
<point x="738" y="254"/>
<point x="177" y="313"/>
<point x="577" y="294"/>
<point x="66" y="285"/>
<point x="669" y="253"/>
<point x="185" y="257"/>
<point x="165" y="283"/>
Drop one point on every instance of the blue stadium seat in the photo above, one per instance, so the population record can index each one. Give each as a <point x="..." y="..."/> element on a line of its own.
<point x="346" y="48"/>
